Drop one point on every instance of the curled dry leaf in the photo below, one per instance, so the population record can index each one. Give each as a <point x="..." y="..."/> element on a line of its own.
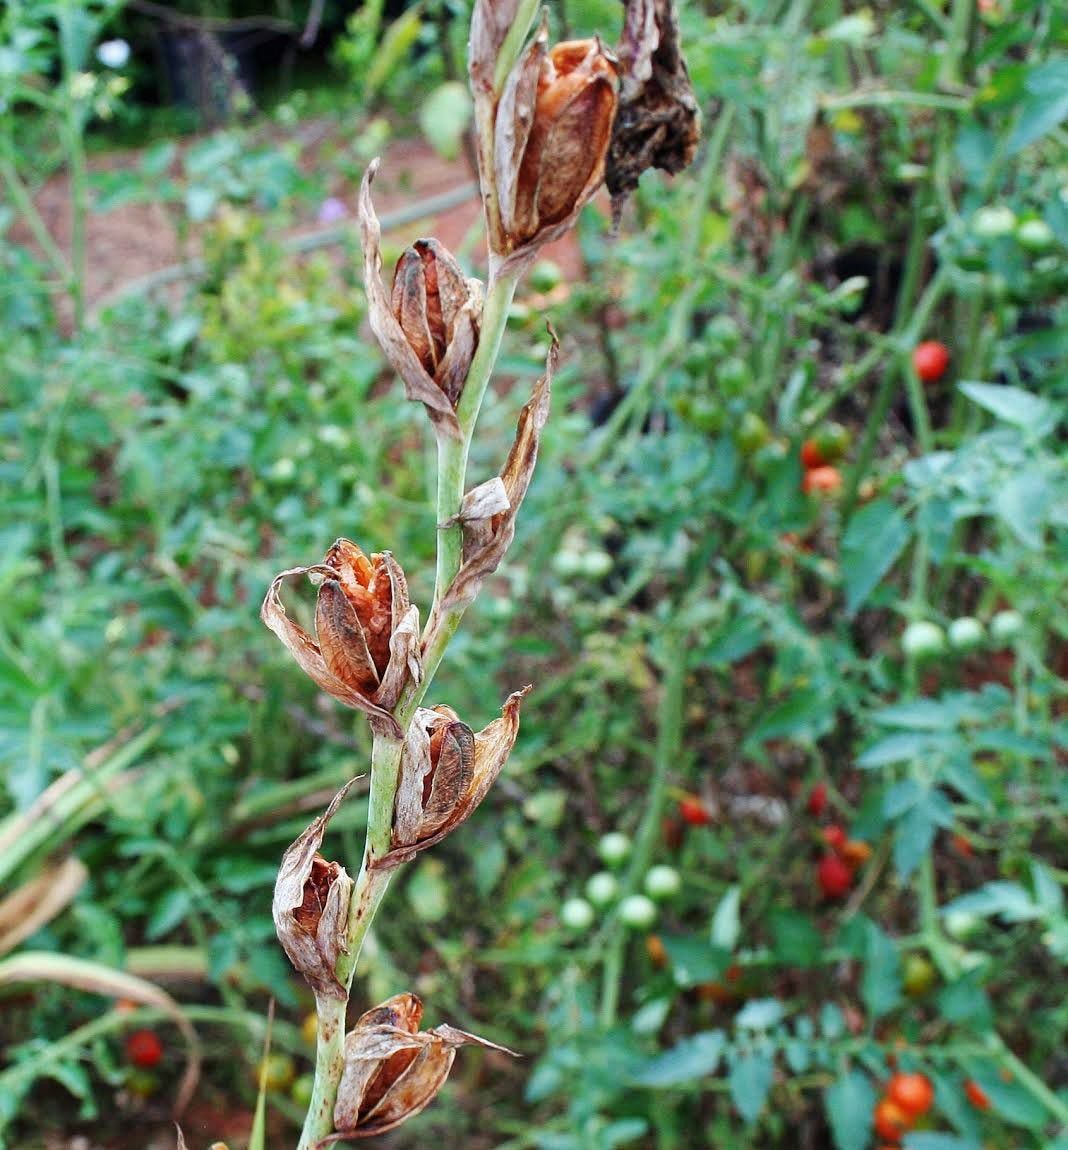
<point x="446" y="772"/>
<point x="419" y="384"/>
<point x="438" y="311"/>
<point x="658" y="124"/>
<point x="311" y="906"/>
<point x="34" y="904"/>
<point x="551" y="135"/>
<point x="366" y="643"/>
<point x="392" y="1069"/>
<point x="489" y="511"/>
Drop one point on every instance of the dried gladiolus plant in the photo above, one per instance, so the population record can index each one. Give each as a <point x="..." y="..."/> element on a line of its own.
<point x="553" y="123"/>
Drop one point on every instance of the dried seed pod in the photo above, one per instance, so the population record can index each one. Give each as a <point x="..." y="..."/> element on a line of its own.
<point x="446" y="771"/>
<point x="311" y="906"/>
<point x="551" y="135"/>
<point x="428" y="325"/>
<point x="489" y="511"/>
<point x="367" y="633"/>
<point x="392" y="1069"/>
<point x="438" y="311"/>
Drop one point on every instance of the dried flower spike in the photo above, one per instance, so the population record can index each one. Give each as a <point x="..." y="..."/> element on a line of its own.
<point x="552" y="131"/>
<point x="367" y="633"/>
<point x="438" y="312"/>
<point x="446" y="771"/>
<point x="392" y="1069"/>
<point x="311" y="906"/>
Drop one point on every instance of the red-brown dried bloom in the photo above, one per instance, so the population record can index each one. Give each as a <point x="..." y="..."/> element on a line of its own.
<point x="551" y="137"/>
<point x="392" y="1069"/>
<point x="438" y="311"/>
<point x="366" y="641"/>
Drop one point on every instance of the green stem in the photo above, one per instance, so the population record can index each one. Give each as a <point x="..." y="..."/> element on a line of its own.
<point x="960" y="22"/>
<point x="371" y="883"/>
<point x="669" y="735"/>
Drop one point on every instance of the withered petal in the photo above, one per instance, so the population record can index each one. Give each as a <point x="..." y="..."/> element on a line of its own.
<point x="342" y="640"/>
<point x="404" y="659"/>
<point x="316" y="954"/>
<point x="306" y="651"/>
<point x="515" y="118"/>
<point x="384" y="1083"/>
<point x="486" y="540"/>
<point x="451" y="374"/>
<point x="492" y="746"/>
<point x="418" y="385"/>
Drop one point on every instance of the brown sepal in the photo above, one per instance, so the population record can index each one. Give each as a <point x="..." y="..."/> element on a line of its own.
<point x="311" y="906"/>
<point x="446" y="772"/>
<point x="419" y="385"/>
<point x="392" y="1069"/>
<point x="366" y="644"/>
<point x="488" y="533"/>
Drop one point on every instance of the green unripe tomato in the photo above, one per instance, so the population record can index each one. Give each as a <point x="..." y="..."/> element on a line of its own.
<point x="301" y="1090"/>
<point x="724" y="331"/>
<point x="1007" y="626"/>
<point x="577" y="914"/>
<point x="142" y="1083"/>
<point x="962" y="924"/>
<point x="707" y="414"/>
<point x="917" y="975"/>
<point x="733" y="376"/>
<point x="614" y="848"/>
<point x="832" y="441"/>
<point x="752" y="434"/>
<point x="923" y="640"/>
<point x="965" y="633"/>
<point x="662" y="882"/>
<point x="602" y="888"/>
<point x="993" y="222"/>
<point x="1035" y="235"/>
<point x="278" y="1071"/>
<point x="637" y="911"/>
<point x="545" y="275"/>
<point x="568" y="562"/>
<point x="596" y="563"/>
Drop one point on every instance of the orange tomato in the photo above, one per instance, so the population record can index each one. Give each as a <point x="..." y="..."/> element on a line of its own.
<point x="890" y="1120"/>
<point x="976" y="1095"/>
<point x="912" y="1092"/>
<point x="827" y="480"/>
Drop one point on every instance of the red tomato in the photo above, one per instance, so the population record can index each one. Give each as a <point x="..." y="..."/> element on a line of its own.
<point x="976" y="1095"/>
<point x="912" y="1092"/>
<point x="930" y="360"/>
<point x="834" y="837"/>
<point x="811" y="456"/>
<point x="834" y="877"/>
<point x="825" y="479"/>
<point x="144" y="1048"/>
<point x="890" y="1120"/>
<point x="694" y="812"/>
<point x="817" y="800"/>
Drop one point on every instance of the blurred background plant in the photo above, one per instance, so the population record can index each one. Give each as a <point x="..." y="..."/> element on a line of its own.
<point x="788" y="812"/>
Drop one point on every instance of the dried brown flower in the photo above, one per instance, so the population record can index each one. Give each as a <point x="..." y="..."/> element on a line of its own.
<point x="404" y="346"/>
<point x="392" y="1069"/>
<point x="489" y="511"/>
<point x="438" y="311"/>
<point x="367" y="633"/>
<point x="658" y="124"/>
<point x="553" y="126"/>
<point x="311" y="906"/>
<point x="446" y="771"/>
